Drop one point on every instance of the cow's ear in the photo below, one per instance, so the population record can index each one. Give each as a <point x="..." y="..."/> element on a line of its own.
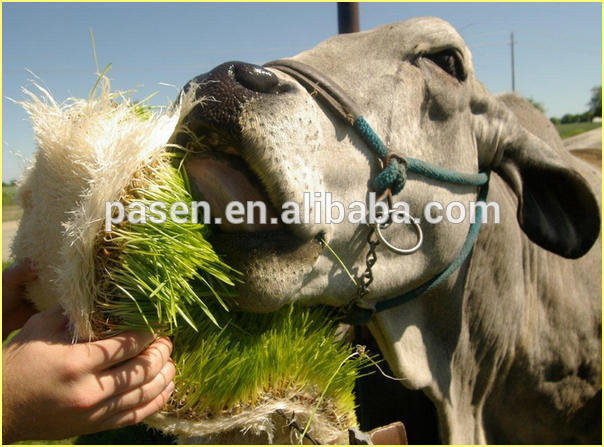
<point x="557" y="208"/>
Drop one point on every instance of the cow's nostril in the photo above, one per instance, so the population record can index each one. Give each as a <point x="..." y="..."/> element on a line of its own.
<point x="256" y="78"/>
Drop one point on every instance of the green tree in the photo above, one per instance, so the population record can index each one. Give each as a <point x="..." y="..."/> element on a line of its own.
<point x="595" y="103"/>
<point x="537" y="105"/>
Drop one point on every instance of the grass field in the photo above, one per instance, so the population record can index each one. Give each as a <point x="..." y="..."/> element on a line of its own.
<point x="572" y="129"/>
<point x="10" y="209"/>
<point x="9" y="194"/>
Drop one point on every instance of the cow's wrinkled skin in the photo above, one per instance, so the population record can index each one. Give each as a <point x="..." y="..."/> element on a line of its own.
<point x="509" y="347"/>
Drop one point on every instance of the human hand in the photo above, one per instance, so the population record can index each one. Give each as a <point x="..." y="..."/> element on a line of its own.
<point x="53" y="389"/>
<point x="16" y="310"/>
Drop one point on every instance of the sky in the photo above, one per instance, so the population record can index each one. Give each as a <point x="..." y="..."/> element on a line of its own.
<point x="558" y="50"/>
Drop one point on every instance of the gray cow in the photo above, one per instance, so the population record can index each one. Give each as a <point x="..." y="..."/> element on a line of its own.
<point x="508" y="348"/>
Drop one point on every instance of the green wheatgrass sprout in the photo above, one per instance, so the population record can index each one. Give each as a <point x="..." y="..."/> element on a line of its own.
<point x="255" y="358"/>
<point x="151" y="275"/>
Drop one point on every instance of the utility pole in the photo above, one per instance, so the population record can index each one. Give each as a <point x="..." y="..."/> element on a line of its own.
<point x="348" y="17"/>
<point x="513" y="72"/>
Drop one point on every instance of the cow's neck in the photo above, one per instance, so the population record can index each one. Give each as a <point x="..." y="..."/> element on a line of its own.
<point x="424" y="342"/>
<point x="480" y="344"/>
<point x="538" y="316"/>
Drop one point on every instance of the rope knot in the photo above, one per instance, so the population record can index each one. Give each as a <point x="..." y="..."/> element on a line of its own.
<point x="393" y="176"/>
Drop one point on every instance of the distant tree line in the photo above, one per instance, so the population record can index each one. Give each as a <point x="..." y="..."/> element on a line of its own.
<point x="594" y="110"/>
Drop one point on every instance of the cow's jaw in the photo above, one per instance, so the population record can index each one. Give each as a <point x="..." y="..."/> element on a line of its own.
<point x="266" y="253"/>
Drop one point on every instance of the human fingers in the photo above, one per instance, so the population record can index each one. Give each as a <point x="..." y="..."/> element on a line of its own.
<point x="23" y="312"/>
<point x="137" y="396"/>
<point x="18" y="316"/>
<point x="13" y="296"/>
<point x="138" y="414"/>
<point x="103" y="354"/>
<point x="136" y="371"/>
<point x="20" y="272"/>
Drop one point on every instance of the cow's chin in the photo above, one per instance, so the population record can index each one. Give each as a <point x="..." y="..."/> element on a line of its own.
<point x="272" y="259"/>
<point x="273" y="263"/>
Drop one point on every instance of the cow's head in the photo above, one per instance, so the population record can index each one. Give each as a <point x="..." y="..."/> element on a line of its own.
<point x="270" y="139"/>
<point x="265" y="137"/>
<point x="414" y="81"/>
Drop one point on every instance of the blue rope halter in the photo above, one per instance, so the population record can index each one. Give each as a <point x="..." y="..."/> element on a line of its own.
<point x="394" y="174"/>
<point x="393" y="177"/>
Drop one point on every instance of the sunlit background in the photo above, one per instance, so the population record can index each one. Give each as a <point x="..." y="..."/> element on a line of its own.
<point x="557" y="50"/>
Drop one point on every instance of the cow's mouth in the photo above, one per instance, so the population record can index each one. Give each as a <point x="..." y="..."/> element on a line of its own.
<point x="220" y="175"/>
<point x="231" y="189"/>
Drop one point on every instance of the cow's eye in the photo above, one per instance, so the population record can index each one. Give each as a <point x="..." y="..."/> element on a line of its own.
<point x="450" y="62"/>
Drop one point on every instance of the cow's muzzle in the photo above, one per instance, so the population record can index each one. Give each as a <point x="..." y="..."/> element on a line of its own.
<point x="225" y="90"/>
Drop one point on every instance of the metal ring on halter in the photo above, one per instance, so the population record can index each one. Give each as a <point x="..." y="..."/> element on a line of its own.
<point x="400" y="251"/>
